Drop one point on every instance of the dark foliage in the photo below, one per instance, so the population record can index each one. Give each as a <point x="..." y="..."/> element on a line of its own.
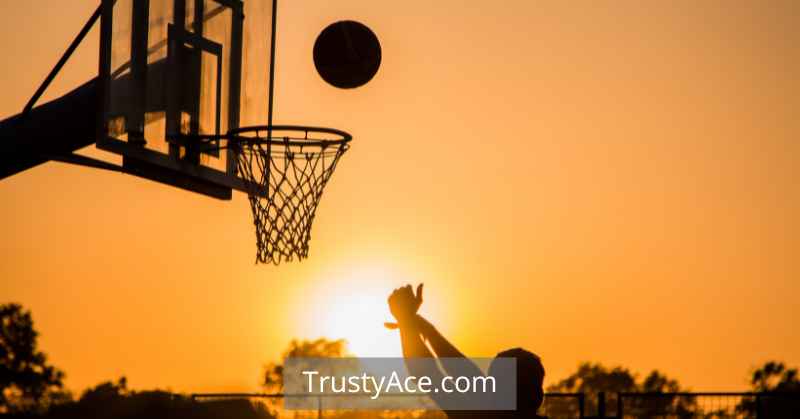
<point x="27" y="381"/>
<point x="113" y="401"/>
<point x="781" y="392"/>
<point x="592" y="379"/>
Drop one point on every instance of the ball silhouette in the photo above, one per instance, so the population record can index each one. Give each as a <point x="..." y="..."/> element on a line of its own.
<point x="347" y="54"/>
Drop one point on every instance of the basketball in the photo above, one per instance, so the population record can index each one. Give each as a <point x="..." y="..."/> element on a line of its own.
<point x="347" y="54"/>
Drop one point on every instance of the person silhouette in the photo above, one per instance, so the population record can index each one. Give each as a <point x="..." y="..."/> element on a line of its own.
<point x="415" y="331"/>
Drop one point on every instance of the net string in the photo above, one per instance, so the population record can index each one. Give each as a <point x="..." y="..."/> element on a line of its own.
<point x="284" y="184"/>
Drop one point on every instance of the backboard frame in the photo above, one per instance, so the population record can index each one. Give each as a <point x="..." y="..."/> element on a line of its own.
<point x="181" y="166"/>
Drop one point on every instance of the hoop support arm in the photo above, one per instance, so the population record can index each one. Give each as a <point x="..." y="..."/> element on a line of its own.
<point x="63" y="60"/>
<point x="79" y="160"/>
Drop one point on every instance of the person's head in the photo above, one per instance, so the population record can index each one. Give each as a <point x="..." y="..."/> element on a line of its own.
<point x="530" y="378"/>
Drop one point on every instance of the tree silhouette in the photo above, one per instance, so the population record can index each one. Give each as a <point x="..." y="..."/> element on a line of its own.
<point x="784" y="384"/>
<point x="319" y="348"/>
<point x="592" y="379"/>
<point x="27" y="382"/>
<point x="775" y="377"/>
<point x="108" y="392"/>
<point x="113" y="400"/>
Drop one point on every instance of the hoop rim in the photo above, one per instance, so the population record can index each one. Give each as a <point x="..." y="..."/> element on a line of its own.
<point x="240" y="135"/>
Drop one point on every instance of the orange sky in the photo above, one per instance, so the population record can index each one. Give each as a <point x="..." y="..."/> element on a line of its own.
<point x="610" y="181"/>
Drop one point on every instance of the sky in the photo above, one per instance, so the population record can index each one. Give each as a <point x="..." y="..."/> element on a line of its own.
<point x="606" y="181"/>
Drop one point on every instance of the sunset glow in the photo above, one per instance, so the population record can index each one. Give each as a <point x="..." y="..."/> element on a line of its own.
<point x="609" y="181"/>
<point x="353" y="308"/>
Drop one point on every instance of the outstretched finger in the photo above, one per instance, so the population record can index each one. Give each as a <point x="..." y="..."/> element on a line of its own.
<point x="391" y="326"/>
<point x="419" y="292"/>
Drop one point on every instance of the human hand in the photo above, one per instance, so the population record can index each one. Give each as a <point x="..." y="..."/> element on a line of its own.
<point x="404" y="304"/>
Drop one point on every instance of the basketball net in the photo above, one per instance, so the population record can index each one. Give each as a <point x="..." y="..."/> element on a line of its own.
<point x="284" y="182"/>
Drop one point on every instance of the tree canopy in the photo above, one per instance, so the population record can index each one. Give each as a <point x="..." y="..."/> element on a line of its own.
<point x="592" y="379"/>
<point x="779" y="386"/>
<point x="319" y="348"/>
<point x="27" y="381"/>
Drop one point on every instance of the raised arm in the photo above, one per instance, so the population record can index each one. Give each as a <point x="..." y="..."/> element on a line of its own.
<point x="440" y="345"/>
<point x="404" y="305"/>
<point x="454" y="362"/>
<point x="412" y="326"/>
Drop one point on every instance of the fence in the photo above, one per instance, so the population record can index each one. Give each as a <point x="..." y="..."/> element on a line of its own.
<point x="708" y="405"/>
<point x="617" y="405"/>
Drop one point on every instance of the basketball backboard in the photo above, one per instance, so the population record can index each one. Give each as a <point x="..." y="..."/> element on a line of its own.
<point x="173" y="70"/>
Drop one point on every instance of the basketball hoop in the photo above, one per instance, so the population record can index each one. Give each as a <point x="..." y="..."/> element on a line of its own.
<point x="178" y="85"/>
<point x="285" y="170"/>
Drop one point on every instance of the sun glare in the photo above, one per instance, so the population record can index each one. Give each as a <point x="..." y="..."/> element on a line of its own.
<point x="352" y="306"/>
<point x="359" y="320"/>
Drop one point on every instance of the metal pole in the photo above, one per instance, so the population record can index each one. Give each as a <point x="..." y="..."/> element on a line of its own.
<point x="620" y="413"/>
<point x="268" y="164"/>
<point x="581" y="404"/>
<point x="74" y="45"/>
<point x="758" y="406"/>
<point x="272" y="68"/>
<point x="601" y="404"/>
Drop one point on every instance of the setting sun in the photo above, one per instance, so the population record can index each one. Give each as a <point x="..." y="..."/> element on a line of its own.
<point x="352" y="317"/>
<point x="352" y="306"/>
